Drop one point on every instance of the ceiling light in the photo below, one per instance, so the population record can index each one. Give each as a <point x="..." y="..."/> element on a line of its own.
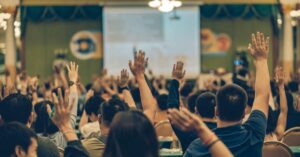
<point x="165" y="5"/>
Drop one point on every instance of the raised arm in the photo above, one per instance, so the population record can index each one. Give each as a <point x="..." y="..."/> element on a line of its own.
<point x="187" y="121"/>
<point x="123" y="84"/>
<point x="137" y="67"/>
<point x="73" y="81"/>
<point x="178" y="75"/>
<point x="259" y="49"/>
<point x="63" y="110"/>
<point x="281" y="123"/>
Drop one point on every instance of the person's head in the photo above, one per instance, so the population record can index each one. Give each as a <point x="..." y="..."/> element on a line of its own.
<point x="131" y="134"/>
<point x="109" y="109"/>
<point x="293" y="86"/>
<point x="271" y="122"/>
<point x="187" y="89"/>
<point x="231" y="103"/>
<point x="92" y="106"/>
<point x="162" y="101"/>
<point x="191" y="101"/>
<point x="205" y="105"/>
<point x="43" y="124"/>
<point x="17" y="107"/>
<point x="17" y="140"/>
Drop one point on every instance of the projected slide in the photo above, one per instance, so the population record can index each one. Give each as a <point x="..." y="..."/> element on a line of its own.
<point x="164" y="38"/>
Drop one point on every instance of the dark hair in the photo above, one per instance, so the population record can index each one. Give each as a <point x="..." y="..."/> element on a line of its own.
<point x="14" y="134"/>
<point x="92" y="105"/>
<point x="162" y="101"/>
<point x="131" y="134"/>
<point x="290" y="102"/>
<point x="16" y="107"/>
<point x="191" y="101"/>
<point x="293" y="86"/>
<point x="186" y="89"/>
<point x="271" y="122"/>
<point x="44" y="123"/>
<point x="109" y="109"/>
<point x="251" y="96"/>
<point x="205" y="105"/>
<point x="231" y="103"/>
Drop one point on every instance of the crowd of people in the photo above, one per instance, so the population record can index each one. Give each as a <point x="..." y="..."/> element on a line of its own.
<point x="118" y="117"/>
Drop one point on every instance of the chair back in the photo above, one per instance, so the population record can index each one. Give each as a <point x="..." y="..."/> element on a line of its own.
<point x="276" y="149"/>
<point x="292" y="137"/>
<point x="164" y="129"/>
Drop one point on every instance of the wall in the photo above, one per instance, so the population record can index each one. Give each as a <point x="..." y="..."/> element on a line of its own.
<point x="43" y="38"/>
<point x="239" y="30"/>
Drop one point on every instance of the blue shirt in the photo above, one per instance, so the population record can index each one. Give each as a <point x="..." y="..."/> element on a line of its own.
<point x="243" y="140"/>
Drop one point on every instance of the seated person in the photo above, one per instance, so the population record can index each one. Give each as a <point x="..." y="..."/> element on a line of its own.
<point x="18" y="108"/>
<point x="161" y="112"/>
<point x="106" y="112"/>
<point x="91" y="129"/>
<point x="205" y="107"/>
<point x="17" y="140"/>
<point x="243" y="140"/>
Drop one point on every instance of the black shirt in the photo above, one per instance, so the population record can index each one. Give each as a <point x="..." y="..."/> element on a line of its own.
<point x="243" y="140"/>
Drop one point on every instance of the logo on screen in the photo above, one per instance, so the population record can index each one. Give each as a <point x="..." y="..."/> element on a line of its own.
<point x="85" y="45"/>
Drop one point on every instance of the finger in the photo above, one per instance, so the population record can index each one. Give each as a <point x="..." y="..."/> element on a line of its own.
<point x="258" y="39"/>
<point x="254" y="42"/>
<point x="61" y="100"/>
<point x="183" y="73"/>
<point x="56" y="104"/>
<point x="68" y="68"/>
<point x="263" y="42"/>
<point x="267" y="44"/>
<point x="66" y="97"/>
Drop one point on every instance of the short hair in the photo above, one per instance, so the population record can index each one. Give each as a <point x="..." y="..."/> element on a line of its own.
<point x="205" y="105"/>
<point x="162" y="101"/>
<point x="16" y="107"/>
<point x="110" y="108"/>
<point x="231" y="103"/>
<point x="191" y="101"/>
<point x="187" y="89"/>
<point x="92" y="105"/>
<point x="15" y="134"/>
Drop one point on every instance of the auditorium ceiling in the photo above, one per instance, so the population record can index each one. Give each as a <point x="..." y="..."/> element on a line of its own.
<point x="139" y="2"/>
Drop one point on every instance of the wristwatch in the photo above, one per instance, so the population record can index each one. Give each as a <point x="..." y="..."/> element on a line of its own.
<point x="71" y="83"/>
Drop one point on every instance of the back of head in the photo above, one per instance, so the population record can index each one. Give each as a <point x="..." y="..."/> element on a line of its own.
<point x="231" y="103"/>
<point x="109" y="109"/>
<point x="205" y="105"/>
<point x="162" y="101"/>
<point x="192" y="100"/>
<point x="251" y="96"/>
<point x="187" y="89"/>
<point x="12" y="135"/>
<point x="131" y="134"/>
<point x="92" y="105"/>
<point x="16" y="107"/>
<point x="43" y="123"/>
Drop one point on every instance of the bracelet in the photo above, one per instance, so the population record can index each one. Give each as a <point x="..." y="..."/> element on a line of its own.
<point x="209" y="140"/>
<point x="212" y="143"/>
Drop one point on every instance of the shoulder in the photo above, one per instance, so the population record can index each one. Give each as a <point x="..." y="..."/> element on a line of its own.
<point x="92" y="142"/>
<point x="196" y="148"/>
<point x="47" y="148"/>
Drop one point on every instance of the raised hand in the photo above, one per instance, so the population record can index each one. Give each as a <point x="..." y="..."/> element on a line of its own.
<point x="279" y="76"/>
<point x="259" y="47"/>
<point x="137" y="67"/>
<point x="73" y="71"/>
<point x="62" y="116"/>
<point x="185" y="120"/>
<point x="124" y="79"/>
<point x="178" y="72"/>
